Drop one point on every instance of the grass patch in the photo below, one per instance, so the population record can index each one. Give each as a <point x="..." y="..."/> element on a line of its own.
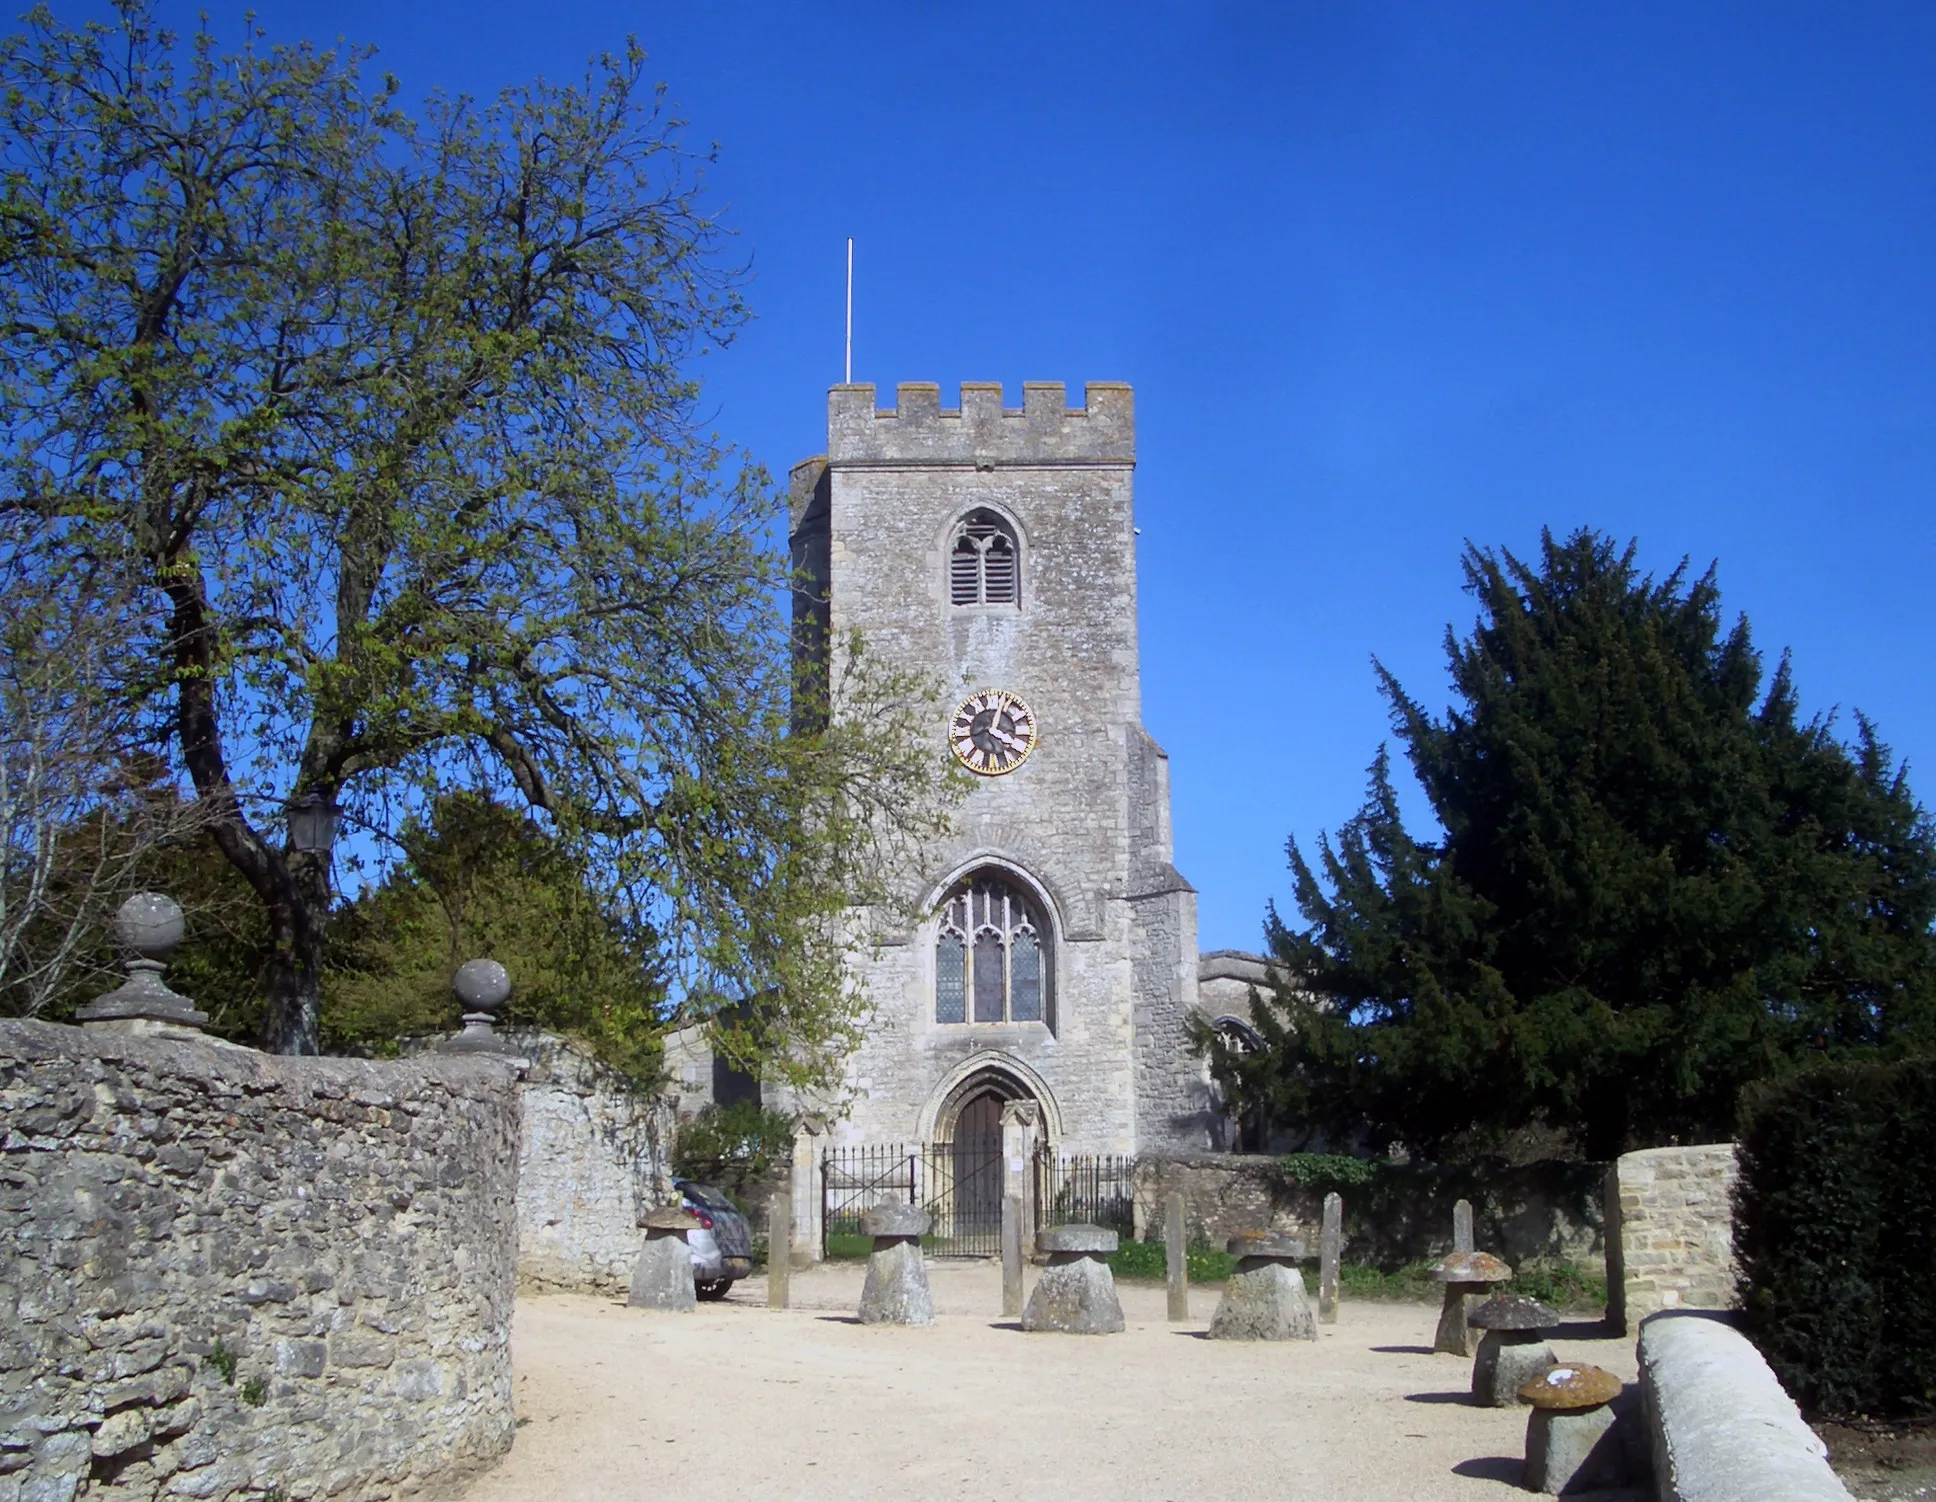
<point x="1560" y="1287"/>
<point x="848" y="1246"/>
<point x="1147" y="1262"/>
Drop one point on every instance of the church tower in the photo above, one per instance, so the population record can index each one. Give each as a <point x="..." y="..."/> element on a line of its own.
<point x="1057" y="959"/>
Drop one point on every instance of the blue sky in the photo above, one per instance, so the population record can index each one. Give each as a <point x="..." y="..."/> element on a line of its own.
<point x="1385" y="277"/>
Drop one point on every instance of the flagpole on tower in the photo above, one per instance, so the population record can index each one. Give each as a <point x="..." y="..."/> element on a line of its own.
<point x="850" y="310"/>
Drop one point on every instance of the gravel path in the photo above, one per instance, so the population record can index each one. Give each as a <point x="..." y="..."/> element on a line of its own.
<point x="738" y="1401"/>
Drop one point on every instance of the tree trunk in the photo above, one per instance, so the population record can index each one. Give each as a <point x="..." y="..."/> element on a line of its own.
<point x="292" y="1022"/>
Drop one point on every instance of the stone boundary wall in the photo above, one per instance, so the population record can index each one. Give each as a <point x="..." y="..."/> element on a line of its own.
<point x="593" y="1156"/>
<point x="1670" y="1241"/>
<point x="229" y="1274"/>
<point x="1537" y="1211"/>
<point x="1720" y="1427"/>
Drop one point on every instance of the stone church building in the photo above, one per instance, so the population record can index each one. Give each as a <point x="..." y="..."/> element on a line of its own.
<point x="995" y="548"/>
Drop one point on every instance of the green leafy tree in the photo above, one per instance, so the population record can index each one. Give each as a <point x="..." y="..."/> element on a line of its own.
<point x="1654" y="882"/>
<point x="739" y="1147"/>
<point x="483" y="880"/>
<point x="391" y="421"/>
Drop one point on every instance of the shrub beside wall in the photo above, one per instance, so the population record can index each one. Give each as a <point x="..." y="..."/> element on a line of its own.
<point x="1835" y="1234"/>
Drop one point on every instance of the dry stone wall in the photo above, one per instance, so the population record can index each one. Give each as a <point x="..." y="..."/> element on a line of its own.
<point x="1544" y="1211"/>
<point x="593" y="1157"/>
<point x="232" y="1275"/>
<point x="1670" y="1241"/>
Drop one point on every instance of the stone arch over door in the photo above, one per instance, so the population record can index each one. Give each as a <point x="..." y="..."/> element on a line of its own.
<point x="987" y="1074"/>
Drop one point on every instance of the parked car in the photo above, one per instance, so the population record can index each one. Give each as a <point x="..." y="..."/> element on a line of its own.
<point x="722" y="1242"/>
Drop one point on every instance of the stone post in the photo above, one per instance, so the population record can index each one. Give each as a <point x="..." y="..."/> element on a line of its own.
<point x="663" y="1277"/>
<point x="896" y="1291"/>
<point x="1264" y="1298"/>
<point x="1462" y="1227"/>
<point x="1011" y="1257"/>
<point x="808" y="1140"/>
<point x="1021" y="1135"/>
<point x="1330" y="1253"/>
<point x="149" y="926"/>
<point x="1176" y="1257"/>
<point x="779" y="1248"/>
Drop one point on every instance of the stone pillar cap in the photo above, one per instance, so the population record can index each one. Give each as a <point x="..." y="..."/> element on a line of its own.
<point x="1075" y="1238"/>
<point x="1266" y="1244"/>
<point x="1563" y="1389"/>
<point x="1469" y="1267"/>
<point x="668" y="1218"/>
<point x="1512" y="1311"/>
<point x="895" y="1220"/>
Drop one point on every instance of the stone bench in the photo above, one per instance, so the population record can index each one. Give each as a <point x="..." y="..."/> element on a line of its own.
<point x="1264" y="1299"/>
<point x="896" y="1291"/>
<point x="1076" y="1294"/>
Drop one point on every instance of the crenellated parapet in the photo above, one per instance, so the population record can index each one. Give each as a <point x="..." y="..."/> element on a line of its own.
<point x="981" y="432"/>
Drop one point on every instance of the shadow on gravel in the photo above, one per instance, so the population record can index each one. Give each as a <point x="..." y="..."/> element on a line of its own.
<point x="1439" y="1397"/>
<point x="1507" y="1468"/>
<point x="838" y="1319"/>
<point x="1402" y="1350"/>
<point x="1585" y="1329"/>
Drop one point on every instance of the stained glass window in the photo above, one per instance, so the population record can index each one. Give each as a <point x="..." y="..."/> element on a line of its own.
<point x="990" y="955"/>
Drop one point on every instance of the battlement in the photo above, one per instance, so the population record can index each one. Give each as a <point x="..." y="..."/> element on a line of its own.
<point x="1044" y="431"/>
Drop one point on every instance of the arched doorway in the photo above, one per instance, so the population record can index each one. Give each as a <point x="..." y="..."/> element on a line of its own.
<point x="976" y="1162"/>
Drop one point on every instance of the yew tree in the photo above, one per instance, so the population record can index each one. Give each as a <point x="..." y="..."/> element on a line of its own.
<point x="1652" y="881"/>
<point x="393" y="421"/>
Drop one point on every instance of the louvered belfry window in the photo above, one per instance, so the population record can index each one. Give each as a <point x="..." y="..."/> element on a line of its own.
<point x="984" y="565"/>
<point x="991" y="959"/>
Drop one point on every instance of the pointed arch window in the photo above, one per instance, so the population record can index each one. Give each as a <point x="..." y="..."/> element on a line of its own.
<point x="991" y="955"/>
<point x="984" y="562"/>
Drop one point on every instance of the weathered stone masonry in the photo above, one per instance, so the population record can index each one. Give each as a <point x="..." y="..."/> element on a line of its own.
<point x="1670" y="1231"/>
<point x="230" y="1274"/>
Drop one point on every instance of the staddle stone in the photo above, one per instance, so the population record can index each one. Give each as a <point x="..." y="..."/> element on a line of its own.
<point x="1573" y="1439"/>
<point x="896" y="1291"/>
<point x="1076" y="1294"/>
<point x="1076" y="1238"/>
<point x="1512" y="1351"/>
<point x="1463" y="1274"/>
<point x="667" y="1220"/>
<point x="1264" y="1300"/>
<point x="895" y="1220"/>
<point x="663" y="1277"/>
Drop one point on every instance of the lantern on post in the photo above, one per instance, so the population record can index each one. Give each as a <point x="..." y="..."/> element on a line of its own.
<point x="312" y="823"/>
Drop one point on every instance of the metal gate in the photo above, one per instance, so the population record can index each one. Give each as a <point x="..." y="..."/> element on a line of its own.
<point x="959" y="1183"/>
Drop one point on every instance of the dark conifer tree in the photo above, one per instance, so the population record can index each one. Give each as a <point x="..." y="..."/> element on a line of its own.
<point x="1653" y="882"/>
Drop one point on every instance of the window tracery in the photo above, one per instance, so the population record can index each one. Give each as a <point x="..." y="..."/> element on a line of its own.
<point x="984" y="562"/>
<point x="991" y="955"/>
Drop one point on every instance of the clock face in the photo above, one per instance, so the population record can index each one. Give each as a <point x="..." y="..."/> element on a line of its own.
<point x="992" y="732"/>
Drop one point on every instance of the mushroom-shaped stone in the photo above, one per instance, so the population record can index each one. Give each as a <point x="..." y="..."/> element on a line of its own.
<point x="1076" y="1294"/>
<point x="1572" y="1389"/>
<point x="1512" y="1350"/>
<point x="1264" y="1298"/>
<point x="1570" y="1440"/>
<point x="896" y="1290"/>
<point x="1463" y="1274"/>
<point x="1266" y="1244"/>
<point x="890" y="1220"/>
<point x="663" y="1277"/>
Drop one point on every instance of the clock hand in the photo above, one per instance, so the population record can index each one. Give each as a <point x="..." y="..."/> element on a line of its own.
<point x="1005" y="738"/>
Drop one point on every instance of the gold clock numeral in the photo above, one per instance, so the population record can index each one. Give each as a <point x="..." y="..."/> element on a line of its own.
<point x="992" y="732"/>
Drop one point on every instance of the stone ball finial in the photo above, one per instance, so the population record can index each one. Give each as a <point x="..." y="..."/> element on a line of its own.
<point x="150" y="925"/>
<point x="482" y="986"/>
